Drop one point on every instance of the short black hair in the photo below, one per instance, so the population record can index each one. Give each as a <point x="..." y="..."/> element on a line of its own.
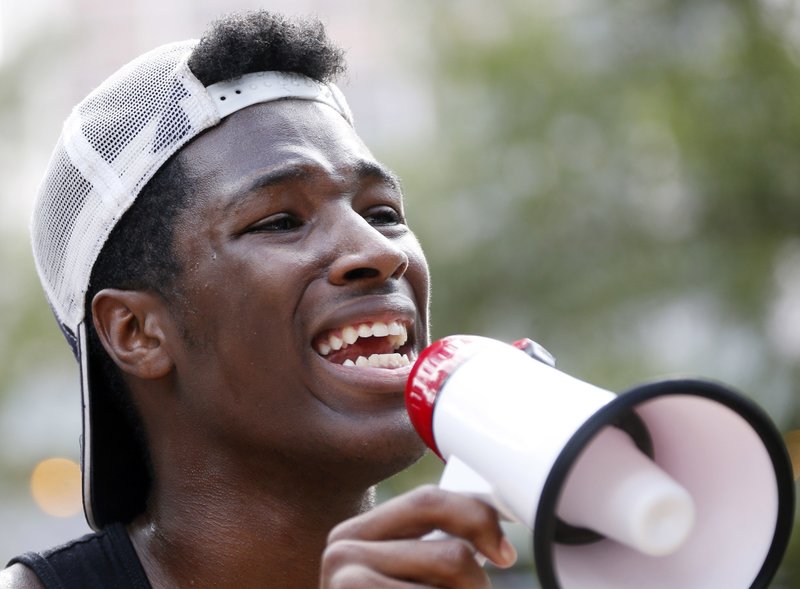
<point x="139" y="252"/>
<point x="261" y="41"/>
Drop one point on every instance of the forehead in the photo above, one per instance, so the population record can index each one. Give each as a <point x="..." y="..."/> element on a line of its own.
<point x="271" y="136"/>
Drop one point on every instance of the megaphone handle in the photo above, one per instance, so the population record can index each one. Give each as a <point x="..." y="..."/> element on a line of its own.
<point x="460" y="478"/>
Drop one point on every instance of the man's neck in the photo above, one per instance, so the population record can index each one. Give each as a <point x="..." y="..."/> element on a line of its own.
<point x="213" y="538"/>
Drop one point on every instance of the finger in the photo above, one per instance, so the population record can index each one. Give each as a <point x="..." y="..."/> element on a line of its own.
<point x="428" y="508"/>
<point x="448" y="563"/>
<point x="416" y="513"/>
<point x="356" y="576"/>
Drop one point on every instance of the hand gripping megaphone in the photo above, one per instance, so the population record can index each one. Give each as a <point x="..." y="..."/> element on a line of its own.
<point x="678" y="484"/>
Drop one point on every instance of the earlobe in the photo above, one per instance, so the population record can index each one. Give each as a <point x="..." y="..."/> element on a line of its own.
<point x="130" y="325"/>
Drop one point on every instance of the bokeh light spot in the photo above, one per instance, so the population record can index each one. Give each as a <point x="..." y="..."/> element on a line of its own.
<point x="56" y="487"/>
<point x="792" y="440"/>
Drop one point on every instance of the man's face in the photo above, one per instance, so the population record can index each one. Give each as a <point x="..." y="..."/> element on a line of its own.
<point x="306" y="293"/>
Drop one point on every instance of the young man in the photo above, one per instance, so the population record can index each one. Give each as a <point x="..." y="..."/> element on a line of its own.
<point x="234" y="272"/>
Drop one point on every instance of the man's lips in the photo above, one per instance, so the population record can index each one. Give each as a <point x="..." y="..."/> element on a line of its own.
<point x="367" y="344"/>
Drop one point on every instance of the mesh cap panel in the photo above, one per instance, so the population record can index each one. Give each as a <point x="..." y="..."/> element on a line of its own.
<point x="111" y="145"/>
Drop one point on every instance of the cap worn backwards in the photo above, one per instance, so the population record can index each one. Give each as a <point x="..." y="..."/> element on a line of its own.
<point x="111" y="145"/>
<point x="114" y="142"/>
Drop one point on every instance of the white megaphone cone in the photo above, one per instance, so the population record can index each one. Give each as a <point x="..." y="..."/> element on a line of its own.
<point x="677" y="484"/>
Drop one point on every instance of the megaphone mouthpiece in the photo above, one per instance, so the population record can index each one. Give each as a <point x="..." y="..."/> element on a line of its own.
<point x="617" y="491"/>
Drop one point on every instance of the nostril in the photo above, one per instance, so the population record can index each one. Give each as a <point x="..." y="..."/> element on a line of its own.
<point x="361" y="273"/>
<point x="401" y="269"/>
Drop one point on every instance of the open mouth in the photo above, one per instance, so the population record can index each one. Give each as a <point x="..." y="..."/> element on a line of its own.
<point x="375" y="344"/>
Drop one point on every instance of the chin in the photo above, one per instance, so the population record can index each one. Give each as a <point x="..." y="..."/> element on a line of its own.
<point x="378" y="461"/>
<point x="411" y="452"/>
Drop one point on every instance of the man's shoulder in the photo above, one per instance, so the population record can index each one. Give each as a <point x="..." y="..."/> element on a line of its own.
<point x="18" y="576"/>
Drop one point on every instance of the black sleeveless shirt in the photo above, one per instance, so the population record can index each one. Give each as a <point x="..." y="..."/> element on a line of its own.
<point x="96" y="561"/>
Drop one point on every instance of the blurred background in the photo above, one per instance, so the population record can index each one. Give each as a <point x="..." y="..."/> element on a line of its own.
<point x="618" y="180"/>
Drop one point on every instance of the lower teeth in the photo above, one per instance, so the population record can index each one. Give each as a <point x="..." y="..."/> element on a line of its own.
<point x="380" y="361"/>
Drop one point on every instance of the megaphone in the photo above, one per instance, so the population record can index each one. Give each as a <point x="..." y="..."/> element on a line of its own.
<point x="672" y="484"/>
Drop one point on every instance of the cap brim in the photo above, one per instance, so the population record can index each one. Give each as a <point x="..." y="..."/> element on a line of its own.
<point x="115" y="474"/>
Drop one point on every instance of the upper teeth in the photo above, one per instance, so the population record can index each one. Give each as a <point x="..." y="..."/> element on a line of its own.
<point x="341" y="338"/>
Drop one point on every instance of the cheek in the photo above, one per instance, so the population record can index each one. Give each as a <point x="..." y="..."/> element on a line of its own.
<point x="418" y="275"/>
<point x="239" y="317"/>
<point x="237" y="371"/>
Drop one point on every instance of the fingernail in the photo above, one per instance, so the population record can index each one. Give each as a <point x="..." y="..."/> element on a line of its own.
<point x="507" y="552"/>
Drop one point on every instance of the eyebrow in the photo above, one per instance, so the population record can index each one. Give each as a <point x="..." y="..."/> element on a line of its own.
<point x="275" y="177"/>
<point x="368" y="169"/>
<point x="364" y="170"/>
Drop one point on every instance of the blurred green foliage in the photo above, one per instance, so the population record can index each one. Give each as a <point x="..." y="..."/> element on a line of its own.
<point x="597" y="167"/>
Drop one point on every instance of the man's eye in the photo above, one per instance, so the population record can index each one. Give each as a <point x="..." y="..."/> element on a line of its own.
<point x="383" y="215"/>
<point x="275" y="223"/>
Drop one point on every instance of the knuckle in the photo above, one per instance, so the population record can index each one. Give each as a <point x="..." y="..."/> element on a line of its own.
<point x="427" y="498"/>
<point x="455" y="560"/>
<point x="340" y="553"/>
<point x="483" y="511"/>
<point x="342" y="531"/>
<point x="461" y="554"/>
<point x="432" y="499"/>
<point x="335" y="534"/>
<point x="350" y="577"/>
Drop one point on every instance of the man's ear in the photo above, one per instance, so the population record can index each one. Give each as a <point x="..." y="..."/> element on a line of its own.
<point x="131" y="326"/>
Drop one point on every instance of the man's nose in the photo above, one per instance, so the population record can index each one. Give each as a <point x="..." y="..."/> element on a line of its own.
<point x="364" y="254"/>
